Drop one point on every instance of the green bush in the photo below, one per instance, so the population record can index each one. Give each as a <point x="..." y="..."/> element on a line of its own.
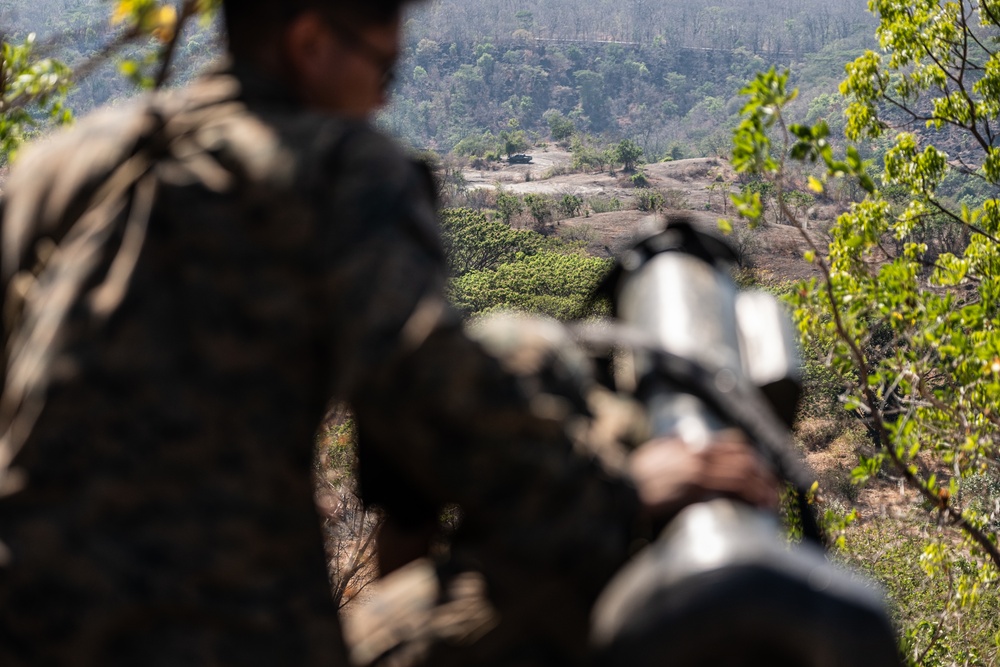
<point x="550" y="283"/>
<point x="539" y="206"/>
<point x="508" y="206"/>
<point x="649" y="200"/>
<point x="938" y="624"/>
<point x="639" y="180"/>
<point x="570" y="205"/>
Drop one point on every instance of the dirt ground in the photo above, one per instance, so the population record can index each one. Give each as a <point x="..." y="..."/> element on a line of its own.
<point x="691" y="187"/>
<point x="538" y="178"/>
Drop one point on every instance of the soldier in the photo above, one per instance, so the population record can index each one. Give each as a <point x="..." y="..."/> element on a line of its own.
<point x="187" y="282"/>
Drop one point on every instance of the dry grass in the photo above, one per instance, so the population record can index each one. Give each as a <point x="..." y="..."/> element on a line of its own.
<point x="349" y="529"/>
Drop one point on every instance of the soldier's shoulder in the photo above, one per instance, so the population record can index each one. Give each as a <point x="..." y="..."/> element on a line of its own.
<point x="52" y="179"/>
<point x="93" y="145"/>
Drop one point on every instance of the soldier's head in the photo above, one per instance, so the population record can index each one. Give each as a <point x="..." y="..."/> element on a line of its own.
<point x="337" y="55"/>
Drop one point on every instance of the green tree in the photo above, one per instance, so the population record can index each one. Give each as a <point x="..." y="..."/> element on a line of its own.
<point x="570" y="205"/>
<point x="560" y="127"/>
<point x="508" y="205"/>
<point x="649" y="200"/>
<point x="765" y="192"/>
<point x="473" y="243"/>
<point x="539" y="206"/>
<point x="915" y="338"/>
<point x="495" y="267"/>
<point x="553" y="283"/>
<point x="34" y="87"/>
<point x="476" y="145"/>
<point x="587" y="154"/>
<point x="593" y="100"/>
<point x="628" y="153"/>
<point x="513" y="139"/>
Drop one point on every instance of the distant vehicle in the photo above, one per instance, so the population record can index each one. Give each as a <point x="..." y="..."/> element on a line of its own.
<point x="520" y="158"/>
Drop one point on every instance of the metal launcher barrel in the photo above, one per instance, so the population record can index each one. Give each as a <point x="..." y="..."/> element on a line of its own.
<point x="722" y="586"/>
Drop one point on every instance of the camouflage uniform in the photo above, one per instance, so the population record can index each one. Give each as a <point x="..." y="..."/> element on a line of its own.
<point x="473" y="608"/>
<point x="188" y="282"/>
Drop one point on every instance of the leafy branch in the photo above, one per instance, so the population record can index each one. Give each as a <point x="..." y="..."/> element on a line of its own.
<point x="755" y="152"/>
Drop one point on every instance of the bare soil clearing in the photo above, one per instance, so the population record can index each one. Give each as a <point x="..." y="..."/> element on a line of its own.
<point x="543" y="176"/>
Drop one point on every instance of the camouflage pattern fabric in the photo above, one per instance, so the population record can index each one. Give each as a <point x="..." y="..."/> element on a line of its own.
<point x="474" y="608"/>
<point x="187" y="283"/>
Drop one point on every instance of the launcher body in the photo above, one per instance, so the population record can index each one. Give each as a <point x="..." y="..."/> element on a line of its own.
<point x="721" y="586"/>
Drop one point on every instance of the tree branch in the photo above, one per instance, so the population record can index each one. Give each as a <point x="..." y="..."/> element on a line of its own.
<point x="876" y="417"/>
<point x="973" y="228"/>
<point x="188" y="9"/>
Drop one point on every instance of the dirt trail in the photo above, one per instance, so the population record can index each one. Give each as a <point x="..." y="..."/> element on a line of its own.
<point x="543" y="176"/>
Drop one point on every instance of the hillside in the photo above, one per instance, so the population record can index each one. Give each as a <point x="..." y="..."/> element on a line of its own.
<point x="666" y="75"/>
<point x="697" y="187"/>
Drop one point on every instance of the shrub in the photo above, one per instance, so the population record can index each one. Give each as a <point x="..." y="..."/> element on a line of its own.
<point x="560" y="127"/>
<point x="539" y="206"/>
<point x="508" y="205"/>
<point x="639" y="180"/>
<point x="627" y="153"/>
<point x="649" y="200"/>
<point x="555" y="170"/>
<point x="570" y="205"/>
<point x="601" y="205"/>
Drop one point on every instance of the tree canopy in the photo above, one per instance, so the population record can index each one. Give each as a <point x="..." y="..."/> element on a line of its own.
<point x="495" y="267"/>
<point x="911" y="322"/>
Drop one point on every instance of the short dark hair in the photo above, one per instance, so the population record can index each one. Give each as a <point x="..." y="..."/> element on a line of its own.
<point x="248" y="21"/>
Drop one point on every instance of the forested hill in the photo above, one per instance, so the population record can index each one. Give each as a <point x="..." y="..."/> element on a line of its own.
<point x="664" y="73"/>
<point x="760" y="26"/>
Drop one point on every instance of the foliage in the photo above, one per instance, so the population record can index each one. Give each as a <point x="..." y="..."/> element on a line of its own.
<point x="560" y="127"/>
<point x="551" y="283"/>
<point x="570" y="205"/>
<point x="588" y="155"/>
<point x="664" y="75"/>
<point x="160" y="24"/>
<point x="461" y="74"/>
<point x="649" y="200"/>
<point x="473" y="243"/>
<point x="508" y="205"/>
<point x="940" y="628"/>
<point x="34" y="86"/>
<point x="477" y="145"/>
<point x="513" y="139"/>
<point x="915" y="336"/>
<point x="602" y="205"/>
<point x="639" y="180"/>
<point x="539" y="206"/>
<point x="628" y="153"/>
<point x="495" y="267"/>
<point x="31" y="89"/>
